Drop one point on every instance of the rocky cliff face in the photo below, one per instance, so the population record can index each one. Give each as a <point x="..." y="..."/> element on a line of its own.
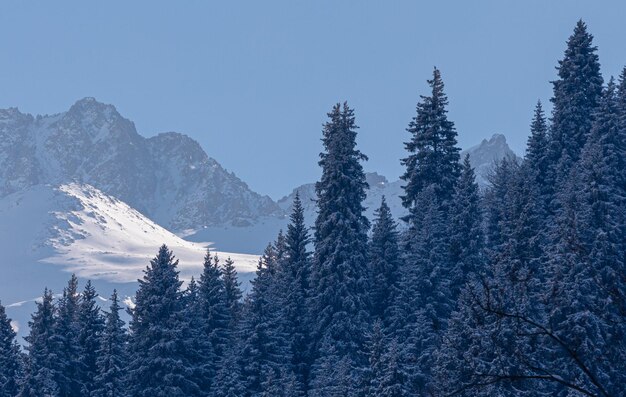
<point x="168" y="177"/>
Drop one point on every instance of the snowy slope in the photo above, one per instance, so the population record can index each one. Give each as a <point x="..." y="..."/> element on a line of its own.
<point x="49" y="232"/>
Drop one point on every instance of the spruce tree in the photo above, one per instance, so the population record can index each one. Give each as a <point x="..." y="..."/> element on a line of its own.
<point x="232" y="292"/>
<point x="537" y="158"/>
<point x="602" y="233"/>
<point x="91" y="325"/>
<point x="385" y="264"/>
<point x="112" y="355"/>
<point x="159" y="364"/>
<point x="339" y="273"/>
<point x="425" y="301"/>
<point x="433" y="153"/>
<point x="577" y="93"/>
<point x="465" y="230"/>
<point x="42" y="364"/>
<point x="65" y="341"/>
<point x="197" y="346"/>
<point x="214" y="312"/>
<point x="292" y="292"/>
<point x="10" y="358"/>
<point x="266" y="351"/>
<point x="229" y="381"/>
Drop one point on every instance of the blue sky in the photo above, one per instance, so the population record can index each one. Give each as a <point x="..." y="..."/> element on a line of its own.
<point x="252" y="81"/>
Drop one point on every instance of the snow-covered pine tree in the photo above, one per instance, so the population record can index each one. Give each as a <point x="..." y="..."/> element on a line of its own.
<point x="42" y="364"/>
<point x="292" y="292"/>
<point x="433" y="153"/>
<point x="392" y="382"/>
<point x="232" y="292"/>
<point x="212" y="307"/>
<point x="576" y="95"/>
<point x="90" y="328"/>
<point x="10" y="358"/>
<point x="160" y="363"/>
<point x="65" y="341"/>
<point x="425" y="301"/>
<point x="537" y="159"/>
<point x="339" y="273"/>
<point x="602" y="221"/>
<point x="198" y="348"/>
<point x="465" y="230"/>
<point x="229" y="381"/>
<point x="384" y="264"/>
<point x="266" y="349"/>
<point x="112" y="355"/>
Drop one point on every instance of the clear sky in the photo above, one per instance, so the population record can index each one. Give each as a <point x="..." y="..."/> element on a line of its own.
<point x="252" y="81"/>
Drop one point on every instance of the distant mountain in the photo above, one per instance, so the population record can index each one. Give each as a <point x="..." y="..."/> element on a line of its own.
<point x="484" y="155"/>
<point x="168" y="177"/>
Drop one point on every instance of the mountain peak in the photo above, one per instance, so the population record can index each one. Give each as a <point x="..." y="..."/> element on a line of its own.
<point x="484" y="155"/>
<point x="89" y="111"/>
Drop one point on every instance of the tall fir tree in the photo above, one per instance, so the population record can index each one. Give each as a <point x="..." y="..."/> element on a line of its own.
<point x="293" y="292"/>
<point x="465" y="230"/>
<point x="232" y="292"/>
<point x="42" y="364"/>
<point x="425" y="301"/>
<point x="599" y="321"/>
<point x="197" y="346"/>
<point x="91" y="325"/>
<point x="229" y="381"/>
<point x="160" y="365"/>
<point x="339" y="273"/>
<point x="112" y="356"/>
<point x="66" y="333"/>
<point x="10" y="358"/>
<point x="213" y="309"/>
<point x="577" y="93"/>
<point x="433" y="153"/>
<point x="537" y="159"/>
<point x="266" y="350"/>
<point x="384" y="264"/>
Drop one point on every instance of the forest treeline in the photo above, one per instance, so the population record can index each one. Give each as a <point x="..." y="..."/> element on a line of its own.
<point x="515" y="290"/>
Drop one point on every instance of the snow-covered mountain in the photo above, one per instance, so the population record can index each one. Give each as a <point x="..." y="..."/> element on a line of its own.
<point x="49" y="232"/>
<point x="168" y="177"/>
<point x="484" y="155"/>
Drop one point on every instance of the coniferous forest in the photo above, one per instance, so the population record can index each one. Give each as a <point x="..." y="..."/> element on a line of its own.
<point x="518" y="289"/>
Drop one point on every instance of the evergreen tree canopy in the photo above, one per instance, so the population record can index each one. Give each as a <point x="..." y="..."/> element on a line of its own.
<point x="10" y="360"/>
<point x="42" y="366"/>
<point x="112" y="355"/>
<point x="91" y="326"/>
<point x="433" y="153"/>
<point x="66" y="333"/>
<point x="385" y="263"/>
<point x="232" y="292"/>
<point x="465" y="230"/>
<point x="160" y="363"/>
<point x="293" y="292"/>
<point x="339" y="273"/>
<point x="213" y="308"/>
<point x="577" y="93"/>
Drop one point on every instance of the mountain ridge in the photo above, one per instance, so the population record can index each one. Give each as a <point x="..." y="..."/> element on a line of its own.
<point x="168" y="177"/>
